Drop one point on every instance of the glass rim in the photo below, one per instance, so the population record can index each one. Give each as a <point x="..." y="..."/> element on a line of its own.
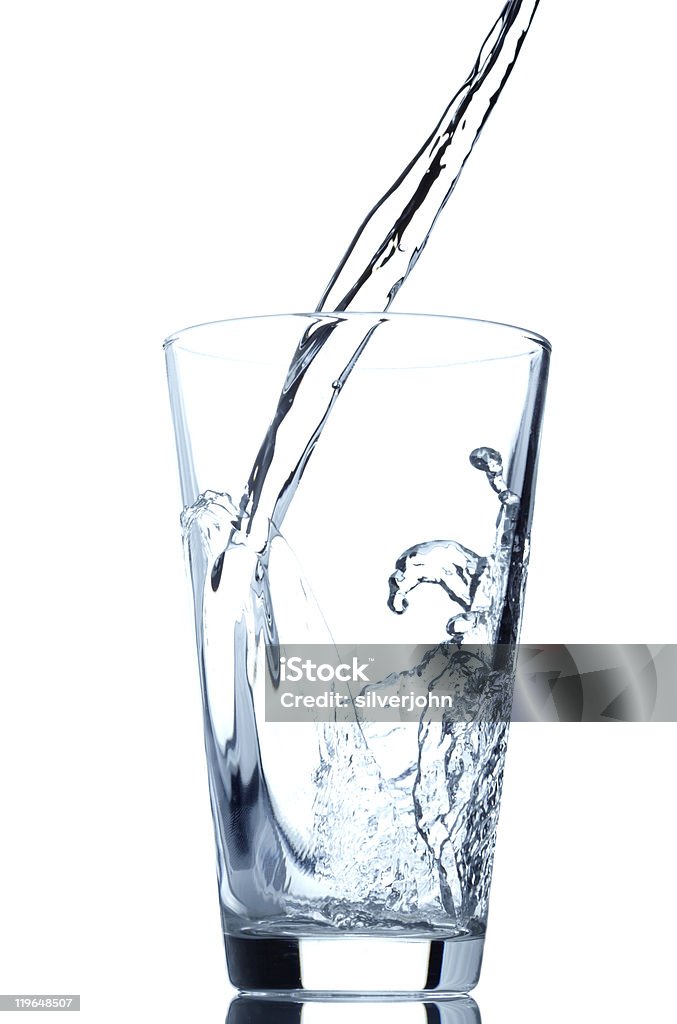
<point x="534" y="342"/>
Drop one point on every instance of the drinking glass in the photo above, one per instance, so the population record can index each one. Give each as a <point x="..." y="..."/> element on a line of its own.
<point x="350" y="481"/>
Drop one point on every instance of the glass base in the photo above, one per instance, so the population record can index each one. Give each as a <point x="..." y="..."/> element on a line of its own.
<point x="354" y="965"/>
<point x="248" y="1009"/>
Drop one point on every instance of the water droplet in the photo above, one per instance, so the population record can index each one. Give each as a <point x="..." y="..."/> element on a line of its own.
<point x="487" y="459"/>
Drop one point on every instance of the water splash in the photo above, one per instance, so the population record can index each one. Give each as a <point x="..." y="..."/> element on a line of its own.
<point x="380" y="257"/>
<point x="423" y="797"/>
<point x="474" y="582"/>
<point x="424" y="803"/>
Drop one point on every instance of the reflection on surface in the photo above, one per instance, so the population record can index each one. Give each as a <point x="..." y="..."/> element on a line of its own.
<point x="253" y="1010"/>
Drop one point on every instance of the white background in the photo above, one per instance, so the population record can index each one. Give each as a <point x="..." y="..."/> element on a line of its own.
<point x="166" y="164"/>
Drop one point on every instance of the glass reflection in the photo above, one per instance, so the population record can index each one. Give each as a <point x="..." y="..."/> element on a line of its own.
<point x="358" y="1010"/>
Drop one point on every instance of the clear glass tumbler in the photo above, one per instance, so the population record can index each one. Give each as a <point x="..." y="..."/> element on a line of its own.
<point x="349" y="480"/>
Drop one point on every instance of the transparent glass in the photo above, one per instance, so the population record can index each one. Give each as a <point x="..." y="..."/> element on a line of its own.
<point x="353" y="479"/>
